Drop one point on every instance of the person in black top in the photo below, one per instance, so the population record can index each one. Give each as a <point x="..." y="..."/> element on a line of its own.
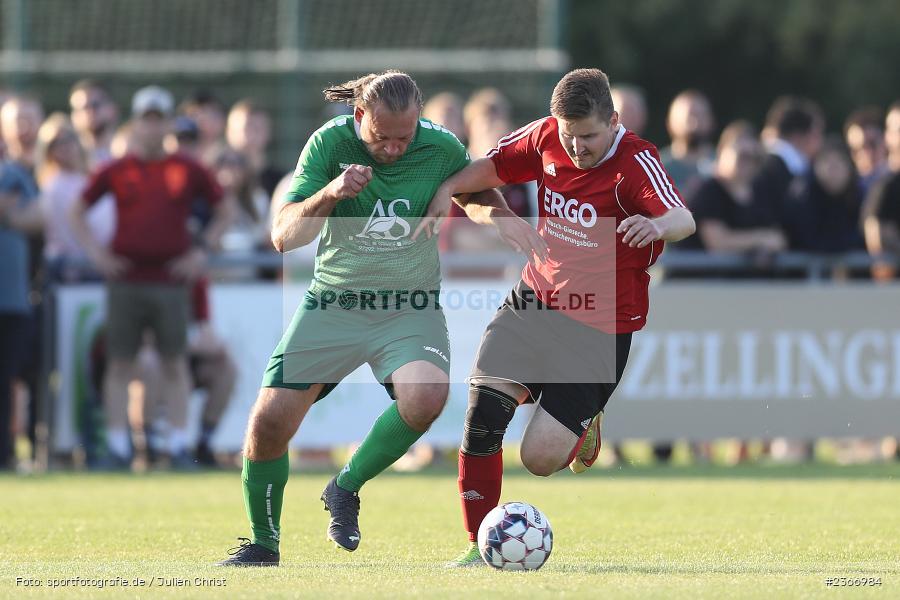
<point x="729" y="217"/>
<point x="881" y="212"/>
<point x="827" y="216"/>
<point x="793" y="136"/>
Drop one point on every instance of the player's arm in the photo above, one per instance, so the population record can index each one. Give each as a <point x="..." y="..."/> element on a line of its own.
<point x="298" y="223"/>
<point x="478" y="176"/>
<point x="473" y="189"/>
<point x="673" y="226"/>
<point x="659" y="211"/>
<point x="490" y="208"/>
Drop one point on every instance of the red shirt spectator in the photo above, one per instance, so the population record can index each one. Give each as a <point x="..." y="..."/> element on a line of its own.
<point x="153" y="202"/>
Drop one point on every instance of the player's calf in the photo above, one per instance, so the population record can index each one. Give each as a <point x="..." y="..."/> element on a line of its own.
<point x="481" y="455"/>
<point x="547" y="444"/>
<point x="274" y="420"/>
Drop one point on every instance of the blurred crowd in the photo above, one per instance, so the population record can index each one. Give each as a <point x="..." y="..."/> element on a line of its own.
<point x="139" y="203"/>
<point x="793" y="185"/>
<point x="138" y="199"/>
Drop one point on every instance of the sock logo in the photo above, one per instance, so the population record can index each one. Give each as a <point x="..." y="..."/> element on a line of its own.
<point x="471" y="495"/>
<point x="585" y="423"/>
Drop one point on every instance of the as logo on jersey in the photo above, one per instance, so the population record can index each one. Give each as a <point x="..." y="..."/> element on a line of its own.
<point x="385" y="224"/>
<point x="572" y="210"/>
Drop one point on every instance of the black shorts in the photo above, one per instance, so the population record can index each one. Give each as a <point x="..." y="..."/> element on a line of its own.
<point x="570" y="368"/>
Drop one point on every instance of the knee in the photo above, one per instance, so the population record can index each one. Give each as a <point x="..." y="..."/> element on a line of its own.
<point x="263" y="423"/>
<point x="424" y="405"/>
<point x="487" y="418"/>
<point x="537" y="463"/>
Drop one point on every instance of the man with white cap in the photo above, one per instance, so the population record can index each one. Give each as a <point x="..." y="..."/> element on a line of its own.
<point x="150" y="264"/>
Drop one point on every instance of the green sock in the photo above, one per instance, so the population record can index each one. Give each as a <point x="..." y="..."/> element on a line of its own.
<point x="388" y="440"/>
<point x="264" y="483"/>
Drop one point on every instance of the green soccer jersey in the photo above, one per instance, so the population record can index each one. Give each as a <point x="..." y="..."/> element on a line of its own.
<point x="365" y="242"/>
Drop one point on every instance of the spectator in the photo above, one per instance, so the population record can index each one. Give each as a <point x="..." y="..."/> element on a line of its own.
<point x="62" y="175"/>
<point x="690" y="157"/>
<point x="20" y="118"/>
<point x="831" y="208"/>
<point x="184" y="138"/>
<point x="446" y="109"/>
<point x="122" y="140"/>
<point x="631" y="105"/>
<point x="250" y="230"/>
<point x="94" y="116"/>
<point x="729" y="219"/>
<point x="793" y="136"/>
<point x="208" y="113"/>
<point x="149" y="265"/>
<point x="487" y="118"/>
<point x="19" y="217"/>
<point x="881" y="213"/>
<point x="212" y="370"/>
<point x="864" y="135"/>
<point x="4" y="96"/>
<point x="249" y="132"/>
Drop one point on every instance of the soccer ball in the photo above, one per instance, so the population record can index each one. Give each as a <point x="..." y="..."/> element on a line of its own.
<point x="515" y="536"/>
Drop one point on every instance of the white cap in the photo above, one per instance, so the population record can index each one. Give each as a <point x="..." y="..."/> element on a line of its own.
<point x="152" y="99"/>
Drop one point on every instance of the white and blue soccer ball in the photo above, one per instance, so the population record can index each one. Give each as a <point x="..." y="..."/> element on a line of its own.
<point x="515" y="536"/>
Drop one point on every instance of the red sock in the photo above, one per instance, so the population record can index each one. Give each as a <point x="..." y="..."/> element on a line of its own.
<point x="480" y="478"/>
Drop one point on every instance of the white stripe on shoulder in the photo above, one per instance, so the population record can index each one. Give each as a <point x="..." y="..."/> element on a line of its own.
<point x="653" y="181"/>
<point x="516" y="135"/>
<point x="529" y="127"/>
<point x="667" y="185"/>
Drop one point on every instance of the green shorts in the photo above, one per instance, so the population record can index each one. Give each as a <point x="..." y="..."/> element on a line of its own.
<point x="325" y="342"/>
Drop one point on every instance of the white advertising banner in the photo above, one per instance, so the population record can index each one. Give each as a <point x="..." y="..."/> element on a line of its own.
<point x="714" y="361"/>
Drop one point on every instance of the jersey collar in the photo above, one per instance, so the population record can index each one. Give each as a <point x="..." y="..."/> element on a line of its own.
<point x="612" y="149"/>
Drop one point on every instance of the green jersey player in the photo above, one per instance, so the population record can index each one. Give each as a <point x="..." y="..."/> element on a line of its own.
<point x="363" y="184"/>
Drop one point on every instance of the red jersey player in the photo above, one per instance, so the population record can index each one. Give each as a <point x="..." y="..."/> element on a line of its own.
<point x="563" y="335"/>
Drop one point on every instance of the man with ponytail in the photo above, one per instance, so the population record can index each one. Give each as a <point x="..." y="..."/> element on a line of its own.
<point x="362" y="184"/>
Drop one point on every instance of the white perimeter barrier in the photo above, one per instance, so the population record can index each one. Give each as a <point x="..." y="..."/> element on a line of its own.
<point x="715" y="360"/>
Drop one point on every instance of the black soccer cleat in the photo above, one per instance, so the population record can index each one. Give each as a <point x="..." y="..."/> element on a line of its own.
<point x="343" y="505"/>
<point x="249" y="554"/>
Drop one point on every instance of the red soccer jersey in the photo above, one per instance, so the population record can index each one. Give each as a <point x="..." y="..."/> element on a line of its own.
<point x="153" y="202"/>
<point x="579" y="210"/>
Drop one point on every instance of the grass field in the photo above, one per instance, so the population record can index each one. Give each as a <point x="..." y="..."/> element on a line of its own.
<point x="697" y="532"/>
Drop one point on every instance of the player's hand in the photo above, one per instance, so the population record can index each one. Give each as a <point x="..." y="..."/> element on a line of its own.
<point x="438" y="208"/>
<point x="189" y="266"/>
<point x="519" y="234"/>
<point x="639" y="231"/>
<point x="110" y="265"/>
<point x="350" y="183"/>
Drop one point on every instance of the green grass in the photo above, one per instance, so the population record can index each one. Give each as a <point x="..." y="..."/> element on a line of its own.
<point x="696" y="532"/>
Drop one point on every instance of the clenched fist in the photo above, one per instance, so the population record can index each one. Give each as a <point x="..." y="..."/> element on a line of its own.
<point x="350" y="183"/>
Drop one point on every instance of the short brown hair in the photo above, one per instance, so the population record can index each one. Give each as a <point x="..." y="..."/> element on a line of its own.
<point x="582" y="93"/>
<point x="395" y="89"/>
